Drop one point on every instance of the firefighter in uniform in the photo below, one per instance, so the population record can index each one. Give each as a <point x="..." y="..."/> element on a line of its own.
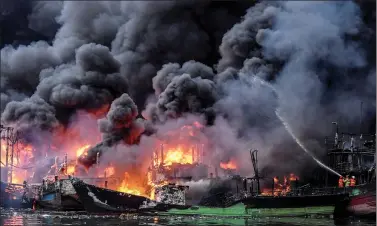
<point x="340" y="182"/>
<point x="347" y="181"/>
<point x="352" y="181"/>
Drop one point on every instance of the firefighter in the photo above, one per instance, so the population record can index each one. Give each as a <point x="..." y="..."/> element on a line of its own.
<point x="340" y="182"/>
<point x="347" y="181"/>
<point x="352" y="181"/>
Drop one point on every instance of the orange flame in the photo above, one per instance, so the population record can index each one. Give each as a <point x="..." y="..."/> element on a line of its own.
<point x="229" y="165"/>
<point x="280" y="189"/>
<point x="131" y="185"/>
<point x="293" y="177"/>
<point x="71" y="169"/>
<point x="22" y="153"/>
<point x="110" y="171"/>
<point x="177" y="155"/>
<point x="82" y="150"/>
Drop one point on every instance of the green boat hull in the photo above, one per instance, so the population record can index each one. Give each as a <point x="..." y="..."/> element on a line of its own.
<point x="239" y="210"/>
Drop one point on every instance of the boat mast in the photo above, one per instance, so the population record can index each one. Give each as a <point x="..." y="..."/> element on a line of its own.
<point x="254" y="160"/>
<point x="361" y="117"/>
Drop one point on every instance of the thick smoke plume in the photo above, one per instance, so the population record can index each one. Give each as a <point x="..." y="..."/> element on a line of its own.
<point x="215" y="61"/>
<point x="121" y="121"/>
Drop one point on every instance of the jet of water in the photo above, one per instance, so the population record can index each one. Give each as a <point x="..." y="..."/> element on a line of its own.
<point x="302" y="145"/>
<point x="288" y="128"/>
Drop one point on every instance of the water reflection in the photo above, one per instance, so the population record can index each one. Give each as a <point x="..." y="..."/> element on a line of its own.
<point x="39" y="218"/>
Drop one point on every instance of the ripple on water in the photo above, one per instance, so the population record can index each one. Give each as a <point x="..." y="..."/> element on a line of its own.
<point x="36" y="218"/>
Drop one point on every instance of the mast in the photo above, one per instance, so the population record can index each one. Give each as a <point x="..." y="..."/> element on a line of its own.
<point x="254" y="160"/>
<point x="361" y="116"/>
<point x="66" y="163"/>
<point x="162" y="154"/>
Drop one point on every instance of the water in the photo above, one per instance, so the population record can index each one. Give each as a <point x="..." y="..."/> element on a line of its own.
<point x="39" y="218"/>
<point x="286" y="125"/>
<point x="288" y="128"/>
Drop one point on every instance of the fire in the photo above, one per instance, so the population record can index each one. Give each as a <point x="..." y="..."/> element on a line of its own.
<point x="133" y="186"/>
<point x="177" y="155"/>
<point x="229" y="165"/>
<point x="109" y="171"/>
<point x="276" y="180"/>
<point x="82" y="150"/>
<point x="71" y="169"/>
<point x="176" y="147"/>
<point x="22" y="153"/>
<point x="280" y="188"/>
<point x="293" y="177"/>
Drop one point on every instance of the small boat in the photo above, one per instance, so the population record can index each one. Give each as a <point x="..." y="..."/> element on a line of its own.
<point x="14" y="196"/>
<point x="362" y="203"/>
<point x="102" y="200"/>
<point x="58" y="194"/>
<point x="355" y="155"/>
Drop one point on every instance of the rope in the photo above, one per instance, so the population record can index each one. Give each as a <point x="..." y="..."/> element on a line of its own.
<point x="25" y="168"/>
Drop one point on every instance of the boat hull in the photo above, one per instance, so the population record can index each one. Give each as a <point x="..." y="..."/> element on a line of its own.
<point x="102" y="200"/>
<point x="333" y="204"/>
<point x="57" y="201"/>
<point x="16" y="200"/>
<point x="363" y="206"/>
<point x="60" y="197"/>
<point x="240" y="210"/>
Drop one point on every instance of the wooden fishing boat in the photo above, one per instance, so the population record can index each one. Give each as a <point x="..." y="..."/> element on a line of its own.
<point x="14" y="196"/>
<point x="58" y="194"/>
<point x="355" y="155"/>
<point x="362" y="203"/>
<point x="102" y="200"/>
<point x="285" y="206"/>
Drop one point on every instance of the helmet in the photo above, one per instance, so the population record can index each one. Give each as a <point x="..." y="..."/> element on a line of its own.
<point x="353" y="177"/>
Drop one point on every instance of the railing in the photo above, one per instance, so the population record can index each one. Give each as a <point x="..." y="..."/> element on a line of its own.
<point x="317" y="191"/>
<point x="365" y="142"/>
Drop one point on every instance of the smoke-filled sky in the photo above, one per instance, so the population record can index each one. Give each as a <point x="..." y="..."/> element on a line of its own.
<point x="145" y="64"/>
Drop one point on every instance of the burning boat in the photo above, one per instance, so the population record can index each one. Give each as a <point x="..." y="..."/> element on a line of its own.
<point x="14" y="196"/>
<point x="58" y="194"/>
<point x="285" y="200"/>
<point x="355" y="155"/>
<point x="288" y="199"/>
<point x="102" y="200"/>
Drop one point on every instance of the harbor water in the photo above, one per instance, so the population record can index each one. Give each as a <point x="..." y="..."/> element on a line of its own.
<point x="37" y="218"/>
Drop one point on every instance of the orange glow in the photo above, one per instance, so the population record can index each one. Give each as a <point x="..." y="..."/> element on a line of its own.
<point x="72" y="141"/>
<point x="293" y="177"/>
<point x="229" y="165"/>
<point x="131" y="185"/>
<point x="110" y="171"/>
<point x="22" y="153"/>
<point x="82" y="150"/>
<point x="280" y="189"/>
<point x="71" y="169"/>
<point x="177" y="155"/>
<point x="181" y="146"/>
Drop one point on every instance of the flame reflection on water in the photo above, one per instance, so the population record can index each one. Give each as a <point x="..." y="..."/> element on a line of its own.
<point x="39" y="218"/>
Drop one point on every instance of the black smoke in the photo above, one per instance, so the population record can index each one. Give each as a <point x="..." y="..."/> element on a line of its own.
<point x="213" y="58"/>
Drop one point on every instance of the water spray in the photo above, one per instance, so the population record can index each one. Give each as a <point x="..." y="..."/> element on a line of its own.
<point x="302" y="145"/>
<point x="288" y="128"/>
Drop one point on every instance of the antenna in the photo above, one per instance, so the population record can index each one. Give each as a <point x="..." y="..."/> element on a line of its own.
<point x="162" y="154"/>
<point x="361" y="115"/>
<point x="254" y="160"/>
<point x="66" y="163"/>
